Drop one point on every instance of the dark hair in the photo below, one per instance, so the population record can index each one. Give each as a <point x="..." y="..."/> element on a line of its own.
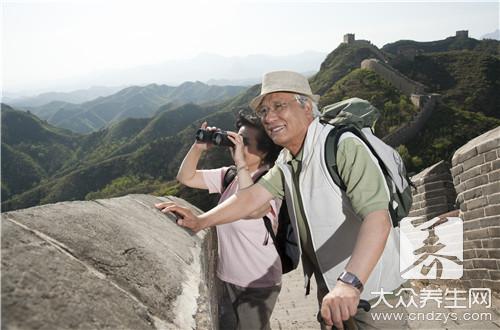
<point x="264" y="142"/>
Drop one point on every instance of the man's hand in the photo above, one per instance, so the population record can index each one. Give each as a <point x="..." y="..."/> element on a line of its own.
<point x="340" y="304"/>
<point x="186" y="217"/>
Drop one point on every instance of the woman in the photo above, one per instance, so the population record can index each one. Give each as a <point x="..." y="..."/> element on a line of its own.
<point x="248" y="265"/>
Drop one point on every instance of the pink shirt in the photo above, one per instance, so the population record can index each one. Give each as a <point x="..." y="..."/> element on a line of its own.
<point x="244" y="260"/>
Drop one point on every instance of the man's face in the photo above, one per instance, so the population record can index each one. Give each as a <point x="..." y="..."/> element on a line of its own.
<point x="286" y="121"/>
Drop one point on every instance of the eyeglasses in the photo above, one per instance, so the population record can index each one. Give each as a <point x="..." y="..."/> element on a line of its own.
<point x="277" y="107"/>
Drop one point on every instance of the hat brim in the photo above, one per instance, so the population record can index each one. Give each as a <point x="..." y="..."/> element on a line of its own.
<point x="258" y="100"/>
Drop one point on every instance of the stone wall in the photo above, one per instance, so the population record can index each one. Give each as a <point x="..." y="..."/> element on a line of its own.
<point x="427" y="104"/>
<point x="476" y="175"/>
<point x="114" y="263"/>
<point x="435" y="193"/>
<point x="401" y="82"/>
<point x="349" y="38"/>
<point x="415" y="90"/>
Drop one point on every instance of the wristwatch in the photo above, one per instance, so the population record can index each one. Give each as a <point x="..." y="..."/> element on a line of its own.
<point x="351" y="279"/>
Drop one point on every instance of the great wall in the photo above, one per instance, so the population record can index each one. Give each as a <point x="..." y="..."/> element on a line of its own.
<point x="425" y="102"/>
<point x="119" y="263"/>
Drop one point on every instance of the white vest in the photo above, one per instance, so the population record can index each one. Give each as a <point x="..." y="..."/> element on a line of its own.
<point x="332" y="221"/>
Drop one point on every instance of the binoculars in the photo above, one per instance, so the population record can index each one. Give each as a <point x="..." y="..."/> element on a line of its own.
<point x="217" y="137"/>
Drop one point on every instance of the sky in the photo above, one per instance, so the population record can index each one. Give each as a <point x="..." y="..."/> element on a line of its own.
<point x="47" y="41"/>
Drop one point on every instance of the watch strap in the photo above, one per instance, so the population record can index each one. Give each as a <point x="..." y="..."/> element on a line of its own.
<point x="351" y="279"/>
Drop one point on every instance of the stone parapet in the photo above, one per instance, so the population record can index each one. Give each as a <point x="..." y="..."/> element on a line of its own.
<point x="400" y="81"/>
<point x="476" y="176"/>
<point x="427" y="104"/>
<point x="113" y="263"/>
<point x="434" y="193"/>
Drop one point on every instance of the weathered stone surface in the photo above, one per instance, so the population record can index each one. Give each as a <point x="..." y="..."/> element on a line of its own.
<point x="116" y="263"/>
<point x="469" y="215"/>
<point x="490" y="155"/>
<point x="436" y="169"/>
<point x="483" y="143"/>
<point x="491" y="188"/>
<point x="494" y="199"/>
<point x="435" y="193"/>
<point x="475" y="203"/>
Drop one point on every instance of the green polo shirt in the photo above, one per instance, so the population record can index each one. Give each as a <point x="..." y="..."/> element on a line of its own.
<point x="365" y="185"/>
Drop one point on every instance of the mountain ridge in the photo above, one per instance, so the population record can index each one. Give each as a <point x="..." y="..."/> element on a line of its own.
<point x="130" y="102"/>
<point x="109" y="162"/>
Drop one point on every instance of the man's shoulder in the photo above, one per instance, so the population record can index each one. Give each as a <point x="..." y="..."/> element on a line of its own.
<point x="352" y="150"/>
<point x="350" y="143"/>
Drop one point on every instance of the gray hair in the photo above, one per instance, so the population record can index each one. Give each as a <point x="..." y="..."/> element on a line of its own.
<point x="302" y="99"/>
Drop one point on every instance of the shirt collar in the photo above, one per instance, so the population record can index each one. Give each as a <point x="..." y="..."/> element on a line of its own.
<point x="297" y="158"/>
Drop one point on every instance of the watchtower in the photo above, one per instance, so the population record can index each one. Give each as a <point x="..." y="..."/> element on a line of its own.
<point x="349" y="38"/>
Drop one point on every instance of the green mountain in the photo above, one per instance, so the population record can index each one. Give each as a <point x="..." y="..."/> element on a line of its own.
<point x="141" y="148"/>
<point x="144" y="154"/>
<point x="131" y="102"/>
<point x="345" y="58"/>
<point x="466" y="79"/>
<point x="448" y="44"/>
<point x="395" y="107"/>
<point x="32" y="150"/>
<point x="19" y="172"/>
<point x="77" y="96"/>
<point x="464" y="71"/>
<point x="446" y="130"/>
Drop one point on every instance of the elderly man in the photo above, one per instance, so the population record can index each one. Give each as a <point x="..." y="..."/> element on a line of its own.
<point x="345" y="235"/>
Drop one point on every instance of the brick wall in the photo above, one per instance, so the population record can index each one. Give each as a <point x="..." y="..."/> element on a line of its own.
<point x="476" y="176"/>
<point x="435" y="193"/>
<point x="401" y="82"/>
<point x="415" y="90"/>
<point x="427" y="104"/>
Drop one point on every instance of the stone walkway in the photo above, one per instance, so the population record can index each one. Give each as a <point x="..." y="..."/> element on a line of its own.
<point x="295" y="311"/>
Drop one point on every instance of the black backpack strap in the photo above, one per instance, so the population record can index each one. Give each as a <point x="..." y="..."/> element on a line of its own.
<point x="228" y="177"/>
<point x="269" y="227"/>
<point x="267" y="221"/>
<point x="331" y="147"/>
<point x="226" y="181"/>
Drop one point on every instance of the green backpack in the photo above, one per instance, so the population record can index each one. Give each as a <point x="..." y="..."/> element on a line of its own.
<point x="358" y="116"/>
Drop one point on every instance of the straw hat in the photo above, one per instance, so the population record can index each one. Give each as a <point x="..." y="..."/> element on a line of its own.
<point x="283" y="81"/>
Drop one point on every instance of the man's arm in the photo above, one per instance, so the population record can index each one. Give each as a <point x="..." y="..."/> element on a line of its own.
<point x="260" y="212"/>
<point x="370" y="244"/>
<point x="341" y="303"/>
<point x="367" y="190"/>
<point x="234" y="208"/>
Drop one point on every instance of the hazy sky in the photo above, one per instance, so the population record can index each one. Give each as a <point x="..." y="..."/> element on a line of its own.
<point x="45" y="41"/>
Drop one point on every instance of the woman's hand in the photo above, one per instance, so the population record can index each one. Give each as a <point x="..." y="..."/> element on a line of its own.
<point x="238" y="151"/>
<point x="202" y="146"/>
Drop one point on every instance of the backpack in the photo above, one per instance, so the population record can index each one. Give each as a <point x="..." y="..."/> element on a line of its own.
<point x="358" y="116"/>
<point x="284" y="240"/>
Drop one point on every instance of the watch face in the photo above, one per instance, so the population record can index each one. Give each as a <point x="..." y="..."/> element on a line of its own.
<point x="348" y="277"/>
<point x="351" y="279"/>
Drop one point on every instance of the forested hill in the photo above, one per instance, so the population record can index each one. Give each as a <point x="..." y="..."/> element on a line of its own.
<point x="130" y="102"/>
<point x="142" y="155"/>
